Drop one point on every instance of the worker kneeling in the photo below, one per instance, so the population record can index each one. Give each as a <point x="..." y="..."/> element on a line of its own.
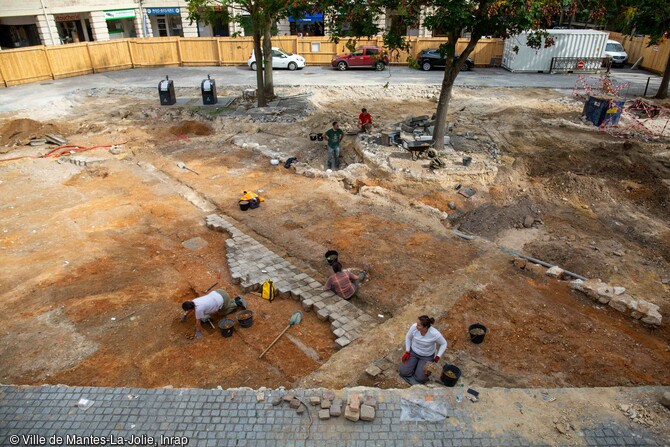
<point x="420" y="345"/>
<point x="204" y="306"/>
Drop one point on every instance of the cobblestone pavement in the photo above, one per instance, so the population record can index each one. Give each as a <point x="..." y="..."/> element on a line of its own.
<point x="238" y="417"/>
<point x="251" y="264"/>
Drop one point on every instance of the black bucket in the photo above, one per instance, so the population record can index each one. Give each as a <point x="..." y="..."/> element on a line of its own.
<point x="245" y="318"/>
<point x="450" y="381"/>
<point x="467" y="161"/>
<point x="476" y="335"/>
<point x="319" y="136"/>
<point x="312" y="136"/>
<point x="331" y="257"/>
<point x="244" y="205"/>
<point x="227" y="326"/>
<point x="254" y="203"/>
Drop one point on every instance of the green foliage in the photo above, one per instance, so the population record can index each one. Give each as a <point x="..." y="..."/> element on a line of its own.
<point x="412" y="62"/>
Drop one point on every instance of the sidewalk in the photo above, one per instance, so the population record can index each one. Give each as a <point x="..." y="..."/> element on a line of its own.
<point x="502" y="417"/>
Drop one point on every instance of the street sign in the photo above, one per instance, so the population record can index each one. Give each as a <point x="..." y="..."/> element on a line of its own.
<point x="580" y="65"/>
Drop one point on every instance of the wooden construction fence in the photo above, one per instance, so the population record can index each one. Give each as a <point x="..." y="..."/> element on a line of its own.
<point x="654" y="59"/>
<point x="39" y="63"/>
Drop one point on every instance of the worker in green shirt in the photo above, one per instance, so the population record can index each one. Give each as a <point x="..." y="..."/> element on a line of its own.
<point x="334" y="136"/>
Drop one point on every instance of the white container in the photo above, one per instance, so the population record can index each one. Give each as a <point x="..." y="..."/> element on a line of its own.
<point x="576" y="43"/>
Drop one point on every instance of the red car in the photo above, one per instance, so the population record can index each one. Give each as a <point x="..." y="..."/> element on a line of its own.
<point x="368" y="56"/>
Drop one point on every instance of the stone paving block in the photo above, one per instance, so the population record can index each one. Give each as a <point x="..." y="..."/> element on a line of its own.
<point x="339" y="332"/>
<point x="314" y="400"/>
<point x="370" y="401"/>
<point x="373" y="371"/>
<point x="354" y="402"/>
<point x="333" y="316"/>
<point x="342" y="342"/>
<point x="325" y="403"/>
<point x="307" y="305"/>
<point x="324" y="414"/>
<point x="351" y="415"/>
<point x="367" y="413"/>
<point x="353" y="335"/>
<point x="335" y="410"/>
<point x="323" y="314"/>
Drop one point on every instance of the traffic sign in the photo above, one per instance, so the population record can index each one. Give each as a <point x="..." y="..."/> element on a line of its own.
<point x="580" y="65"/>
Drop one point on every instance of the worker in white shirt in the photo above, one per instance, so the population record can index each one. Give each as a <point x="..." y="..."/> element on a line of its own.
<point x="423" y="344"/>
<point x="215" y="301"/>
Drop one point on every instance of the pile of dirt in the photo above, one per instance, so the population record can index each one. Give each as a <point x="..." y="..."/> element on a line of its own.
<point x="20" y="131"/>
<point x="490" y="220"/>
<point x="192" y="128"/>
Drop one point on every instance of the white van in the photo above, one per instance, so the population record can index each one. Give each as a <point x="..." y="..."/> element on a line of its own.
<point x="614" y="50"/>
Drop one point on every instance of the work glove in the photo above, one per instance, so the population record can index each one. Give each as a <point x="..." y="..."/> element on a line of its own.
<point x="437" y="358"/>
<point x="198" y="335"/>
<point x="405" y="357"/>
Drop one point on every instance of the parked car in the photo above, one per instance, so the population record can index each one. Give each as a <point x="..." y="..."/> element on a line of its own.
<point x="431" y="58"/>
<point x="280" y="59"/>
<point x="367" y="56"/>
<point x="614" y="50"/>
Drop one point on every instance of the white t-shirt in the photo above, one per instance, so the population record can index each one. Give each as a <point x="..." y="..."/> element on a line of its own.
<point x="424" y="345"/>
<point x="207" y="304"/>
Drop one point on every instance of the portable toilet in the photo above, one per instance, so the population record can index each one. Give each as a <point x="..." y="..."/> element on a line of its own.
<point x="208" y="89"/>
<point x="166" y="92"/>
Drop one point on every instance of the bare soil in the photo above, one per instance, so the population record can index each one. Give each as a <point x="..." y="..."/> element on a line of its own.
<point x="94" y="269"/>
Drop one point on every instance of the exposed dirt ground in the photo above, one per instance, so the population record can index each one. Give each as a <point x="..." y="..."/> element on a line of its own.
<point x="94" y="269"/>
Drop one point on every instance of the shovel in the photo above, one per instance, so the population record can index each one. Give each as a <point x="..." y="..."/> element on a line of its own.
<point x="296" y="318"/>
<point x="183" y="166"/>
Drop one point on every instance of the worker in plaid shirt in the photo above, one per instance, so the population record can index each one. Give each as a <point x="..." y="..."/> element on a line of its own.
<point x="344" y="283"/>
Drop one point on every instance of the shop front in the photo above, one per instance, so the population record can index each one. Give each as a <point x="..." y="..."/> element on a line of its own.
<point x="73" y="28"/>
<point x="121" y="23"/>
<point x="165" y="21"/>
<point x="16" y="32"/>
<point x="307" y="25"/>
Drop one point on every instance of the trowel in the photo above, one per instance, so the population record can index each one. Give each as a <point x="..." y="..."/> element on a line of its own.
<point x="183" y="166"/>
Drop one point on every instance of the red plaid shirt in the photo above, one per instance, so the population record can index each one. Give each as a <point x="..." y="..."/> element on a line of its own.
<point x="341" y="284"/>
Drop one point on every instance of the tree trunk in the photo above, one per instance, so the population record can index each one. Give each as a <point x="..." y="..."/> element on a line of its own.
<point x="453" y="67"/>
<point x="267" y="57"/>
<point x="663" y="89"/>
<point x="260" y="85"/>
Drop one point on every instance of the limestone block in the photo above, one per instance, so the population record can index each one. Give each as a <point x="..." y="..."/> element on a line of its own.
<point x="621" y="302"/>
<point x="653" y="318"/>
<point x="556" y="272"/>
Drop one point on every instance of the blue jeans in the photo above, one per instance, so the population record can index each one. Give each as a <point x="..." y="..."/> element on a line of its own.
<point x="334" y="156"/>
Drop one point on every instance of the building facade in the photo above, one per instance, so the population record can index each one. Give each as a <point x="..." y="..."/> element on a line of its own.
<point x="60" y="22"/>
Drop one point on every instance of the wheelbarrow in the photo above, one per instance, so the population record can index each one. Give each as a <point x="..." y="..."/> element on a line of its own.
<point x="417" y="148"/>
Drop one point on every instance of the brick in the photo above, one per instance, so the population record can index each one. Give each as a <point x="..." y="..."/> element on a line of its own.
<point x="335" y="325"/>
<point x="295" y="294"/>
<point x="314" y="400"/>
<point x="325" y="403"/>
<point x="350" y="415"/>
<point x="339" y="332"/>
<point x="367" y="413"/>
<point x="288" y="397"/>
<point x="324" y="414"/>
<point x="307" y="305"/>
<point x="336" y="410"/>
<point x="295" y="403"/>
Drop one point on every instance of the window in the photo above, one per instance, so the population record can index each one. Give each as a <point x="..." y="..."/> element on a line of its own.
<point x="372" y="51"/>
<point x="357" y="53"/>
<point x="614" y="47"/>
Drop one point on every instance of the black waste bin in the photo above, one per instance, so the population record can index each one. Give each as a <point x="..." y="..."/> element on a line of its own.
<point x="166" y="92"/>
<point x="208" y="89"/>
